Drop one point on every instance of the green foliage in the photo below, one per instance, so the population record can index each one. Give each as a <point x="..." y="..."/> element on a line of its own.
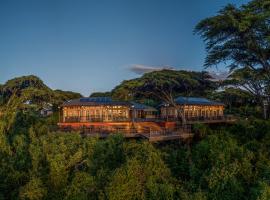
<point x="61" y="96"/>
<point x="18" y="84"/>
<point x="222" y="167"/>
<point x="200" y="130"/>
<point x="152" y="85"/>
<point x="240" y="37"/>
<point x="238" y="102"/>
<point x="82" y="187"/>
<point x="33" y="190"/>
<point x="16" y="92"/>
<point x="249" y="130"/>
<point x="222" y="163"/>
<point x="178" y="161"/>
<point x="144" y="176"/>
<point x="262" y="191"/>
<point x="39" y="164"/>
<point x="100" y="94"/>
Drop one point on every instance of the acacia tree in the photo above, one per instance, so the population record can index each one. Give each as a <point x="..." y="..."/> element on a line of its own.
<point x="254" y="82"/>
<point x="166" y="85"/>
<point x="239" y="37"/>
<point x="165" y="89"/>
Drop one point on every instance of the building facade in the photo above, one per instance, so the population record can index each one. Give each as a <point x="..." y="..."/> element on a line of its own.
<point x="102" y="114"/>
<point x="103" y="109"/>
<point x="192" y="108"/>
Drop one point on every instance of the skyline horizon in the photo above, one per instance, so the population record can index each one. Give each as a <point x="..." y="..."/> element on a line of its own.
<point x="216" y="76"/>
<point x="91" y="46"/>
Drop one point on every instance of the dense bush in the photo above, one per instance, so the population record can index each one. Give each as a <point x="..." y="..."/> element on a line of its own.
<point x="39" y="164"/>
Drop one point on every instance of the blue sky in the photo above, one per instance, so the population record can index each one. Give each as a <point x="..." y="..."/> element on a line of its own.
<point x="88" y="46"/>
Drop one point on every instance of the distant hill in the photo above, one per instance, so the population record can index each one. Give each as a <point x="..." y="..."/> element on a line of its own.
<point x="101" y="94"/>
<point x="65" y="95"/>
<point x="32" y="90"/>
<point x="180" y="81"/>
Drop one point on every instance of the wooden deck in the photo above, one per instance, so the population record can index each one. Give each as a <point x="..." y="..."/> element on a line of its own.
<point x="151" y="135"/>
<point x="157" y="137"/>
<point x="153" y="131"/>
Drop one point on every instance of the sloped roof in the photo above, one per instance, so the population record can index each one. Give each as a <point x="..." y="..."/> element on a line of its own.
<point x="94" y="101"/>
<point x="195" y="101"/>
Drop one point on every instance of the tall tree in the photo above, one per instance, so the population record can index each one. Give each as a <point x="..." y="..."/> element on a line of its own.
<point x="239" y="37"/>
<point x="253" y="81"/>
<point x="164" y="86"/>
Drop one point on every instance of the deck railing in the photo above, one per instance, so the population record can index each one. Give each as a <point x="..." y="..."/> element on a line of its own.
<point x="94" y="119"/>
<point x="157" y="119"/>
<point x="200" y="118"/>
<point x="103" y="119"/>
<point x="131" y="131"/>
<point x="153" y="132"/>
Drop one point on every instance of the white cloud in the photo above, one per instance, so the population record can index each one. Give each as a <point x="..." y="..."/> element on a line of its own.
<point x="219" y="76"/>
<point x="141" y="69"/>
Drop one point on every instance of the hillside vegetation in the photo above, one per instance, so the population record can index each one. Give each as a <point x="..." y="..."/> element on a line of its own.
<point x="155" y="87"/>
<point x="39" y="162"/>
<point x="31" y="90"/>
<point x="224" y="162"/>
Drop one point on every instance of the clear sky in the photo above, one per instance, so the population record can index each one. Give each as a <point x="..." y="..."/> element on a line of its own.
<point x="88" y="46"/>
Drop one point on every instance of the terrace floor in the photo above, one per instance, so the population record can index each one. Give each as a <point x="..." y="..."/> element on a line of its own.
<point x="153" y="131"/>
<point x="149" y="131"/>
<point x="156" y="137"/>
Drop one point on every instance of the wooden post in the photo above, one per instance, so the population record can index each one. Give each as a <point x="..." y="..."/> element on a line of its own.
<point x="59" y="114"/>
<point x="265" y="106"/>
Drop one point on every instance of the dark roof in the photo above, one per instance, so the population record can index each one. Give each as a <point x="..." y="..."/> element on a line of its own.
<point x="195" y="101"/>
<point x="139" y="106"/>
<point x="94" y="101"/>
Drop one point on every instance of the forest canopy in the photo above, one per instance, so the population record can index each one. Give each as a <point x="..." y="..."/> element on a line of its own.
<point x="221" y="162"/>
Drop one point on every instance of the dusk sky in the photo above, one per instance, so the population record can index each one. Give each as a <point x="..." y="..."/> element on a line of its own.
<point x="90" y="46"/>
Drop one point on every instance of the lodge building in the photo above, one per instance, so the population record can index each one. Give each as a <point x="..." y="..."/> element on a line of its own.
<point x="193" y="108"/>
<point x="103" y="109"/>
<point x="107" y="114"/>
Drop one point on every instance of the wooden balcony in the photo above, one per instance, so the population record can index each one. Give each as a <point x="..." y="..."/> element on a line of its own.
<point x="165" y="135"/>
<point x="204" y="120"/>
<point x="150" y="131"/>
<point x="94" y="119"/>
<point x="189" y="120"/>
<point x="153" y="130"/>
